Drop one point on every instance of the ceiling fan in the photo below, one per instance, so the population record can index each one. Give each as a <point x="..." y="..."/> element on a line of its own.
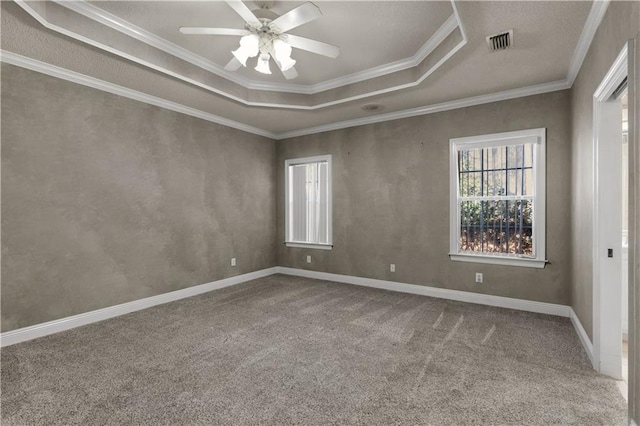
<point x="265" y="36"/>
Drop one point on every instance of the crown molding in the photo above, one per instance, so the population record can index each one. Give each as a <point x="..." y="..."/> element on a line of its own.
<point x="434" y="41"/>
<point x="431" y="109"/>
<point x="598" y="10"/>
<point x="463" y="31"/>
<point x="391" y="89"/>
<point x="114" y="22"/>
<point x="85" y="80"/>
<point x="37" y="16"/>
<point x="593" y="21"/>
<point x="75" y="77"/>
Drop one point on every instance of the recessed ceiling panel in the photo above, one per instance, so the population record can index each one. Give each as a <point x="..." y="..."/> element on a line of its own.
<point x="547" y="39"/>
<point x="369" y="34"/>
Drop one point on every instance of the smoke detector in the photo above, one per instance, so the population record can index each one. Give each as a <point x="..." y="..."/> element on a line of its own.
<point x="500" y="41"/>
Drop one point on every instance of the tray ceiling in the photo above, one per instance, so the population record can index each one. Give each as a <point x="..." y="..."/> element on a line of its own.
<point x="385" y="34"/>
<point x="403" y="55"/>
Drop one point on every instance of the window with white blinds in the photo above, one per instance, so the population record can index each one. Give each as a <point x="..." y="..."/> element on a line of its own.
<point x="308" y="202"/>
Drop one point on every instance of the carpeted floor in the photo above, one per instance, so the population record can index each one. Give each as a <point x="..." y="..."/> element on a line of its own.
<point x="285" y="350"/>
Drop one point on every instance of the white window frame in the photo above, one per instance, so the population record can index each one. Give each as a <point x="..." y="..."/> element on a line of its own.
<point x="307" y="160"/>
<point x="536" y="136"/>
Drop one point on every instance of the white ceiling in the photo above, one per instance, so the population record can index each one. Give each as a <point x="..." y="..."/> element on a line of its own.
<point x="385" y="34"/>
<point x="136" y="46"/>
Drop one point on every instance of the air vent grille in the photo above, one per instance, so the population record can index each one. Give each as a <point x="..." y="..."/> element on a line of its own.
<point x="500" y="41"/>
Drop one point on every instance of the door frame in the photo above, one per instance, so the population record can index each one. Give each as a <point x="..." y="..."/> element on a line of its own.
<point x="634" y="230"/>
<point x="607" y="328"/>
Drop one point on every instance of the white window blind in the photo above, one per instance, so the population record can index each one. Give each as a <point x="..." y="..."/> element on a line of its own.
<point x="308" y="201"/>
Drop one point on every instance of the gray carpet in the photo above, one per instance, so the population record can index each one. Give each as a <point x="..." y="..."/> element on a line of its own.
<point x="284" y="350"/>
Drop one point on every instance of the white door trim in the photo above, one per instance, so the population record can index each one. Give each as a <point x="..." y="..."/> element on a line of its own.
<point x="607" y="325"/>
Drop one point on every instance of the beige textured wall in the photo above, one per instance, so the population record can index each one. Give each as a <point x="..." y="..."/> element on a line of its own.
<point x="391" y="199"/>
<point x="107" y="200"/>
<point x="620" y="24"/>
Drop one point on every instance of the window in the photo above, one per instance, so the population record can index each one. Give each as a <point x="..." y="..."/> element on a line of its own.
<point x="498" y="198"/>
<point x="308" y="202"/>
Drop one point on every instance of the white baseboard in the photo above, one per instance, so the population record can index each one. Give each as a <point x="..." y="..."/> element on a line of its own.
<point x="611" y="366"/>
<point x="462" y="296"/>
<point x="62" y="324"/>
<point x="40" y="330"/>
<point x="582" y="334"/>
<point x="442" y="293"/>
<point x="624" y="389"/>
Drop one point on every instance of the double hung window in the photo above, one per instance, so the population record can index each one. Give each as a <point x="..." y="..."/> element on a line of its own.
<point x="498" y="198"/>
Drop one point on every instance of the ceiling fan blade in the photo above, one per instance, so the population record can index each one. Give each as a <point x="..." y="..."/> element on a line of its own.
<point x="233" y="65"/>
<point x="213" y="31"/>
<point x="313" y="46"/>
<point x="242" y="10"/>
<point x="289" y="74"/>
<point x="298" y="16"/>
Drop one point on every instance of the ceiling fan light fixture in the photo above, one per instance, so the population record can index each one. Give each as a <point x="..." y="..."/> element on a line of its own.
<point x="286" y="63"/>
<point x="263" y="64"/>
<point x="265" y="34"/>
<point x="282" y="51"/>
<point x="249" y="47"/>
<point x="241" y="56"/>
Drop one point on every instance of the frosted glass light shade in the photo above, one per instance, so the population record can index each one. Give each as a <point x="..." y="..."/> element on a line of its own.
<point x="249" y="47"/>
<point x="263" y="64"/>
<point x="282" y="52"/>
<point x="286" y="63"/>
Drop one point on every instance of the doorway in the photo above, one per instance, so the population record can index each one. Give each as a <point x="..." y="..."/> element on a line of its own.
<point x="622" y="95"/>
<point x="611" y="182"/>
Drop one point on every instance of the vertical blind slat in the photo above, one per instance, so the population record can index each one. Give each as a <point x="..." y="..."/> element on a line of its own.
<point x="323" y="205"/>
<point x="309" y="202"/>
<point x="298" y="202"/>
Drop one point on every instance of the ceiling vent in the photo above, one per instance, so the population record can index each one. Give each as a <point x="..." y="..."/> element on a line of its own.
<point x="500" y="41"/>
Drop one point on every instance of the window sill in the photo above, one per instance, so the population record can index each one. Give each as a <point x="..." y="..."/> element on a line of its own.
<point x="499" y="260"/>
<point x="310" y="246"/>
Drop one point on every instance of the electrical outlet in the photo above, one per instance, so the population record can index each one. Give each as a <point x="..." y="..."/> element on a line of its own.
<point x="392" y="267"/>
<point x="479" y="277"/>
<point x="308" y="259"/>
<point x="233" y="261"/>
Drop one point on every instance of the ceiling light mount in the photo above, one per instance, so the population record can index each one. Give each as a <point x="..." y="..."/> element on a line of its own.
<point x="264" y="12"/>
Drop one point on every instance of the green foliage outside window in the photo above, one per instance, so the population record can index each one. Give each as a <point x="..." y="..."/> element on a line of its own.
<point x="501" y="223"/>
